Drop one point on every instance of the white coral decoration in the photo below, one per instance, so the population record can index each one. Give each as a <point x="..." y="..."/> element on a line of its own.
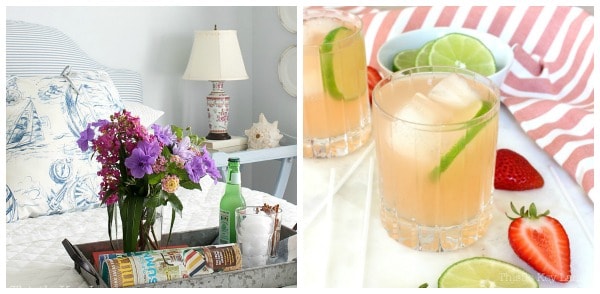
<point x="263" y="134"/>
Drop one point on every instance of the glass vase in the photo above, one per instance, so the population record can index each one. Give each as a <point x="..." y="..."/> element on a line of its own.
<point x="149" y="233"/>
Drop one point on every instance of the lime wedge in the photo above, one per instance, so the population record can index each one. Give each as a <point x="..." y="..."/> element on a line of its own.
<point x="447" y="158"/>
<point x="485" y="272"/>
<point x="339" y="63"/>
<point x="404" y="59"/>
<point x="423" y="55"/>
<point x="462" y="51"/>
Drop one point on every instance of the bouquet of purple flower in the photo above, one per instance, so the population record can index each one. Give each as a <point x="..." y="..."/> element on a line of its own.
<point x="141" y="171"/>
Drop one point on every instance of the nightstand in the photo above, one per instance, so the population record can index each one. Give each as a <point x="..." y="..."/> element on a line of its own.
<point x="285" y="154"/>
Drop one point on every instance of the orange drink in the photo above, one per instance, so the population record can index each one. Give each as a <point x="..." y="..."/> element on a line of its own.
<point x="337" y="117"/>
<point x="435" y="131"/>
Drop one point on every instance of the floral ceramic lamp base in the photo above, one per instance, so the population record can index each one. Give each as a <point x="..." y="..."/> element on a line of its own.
<point x="217" y="103"/>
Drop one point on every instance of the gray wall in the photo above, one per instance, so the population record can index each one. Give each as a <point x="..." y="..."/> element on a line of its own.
<point x="156" y="42"/>
<point x="270" y="39"/>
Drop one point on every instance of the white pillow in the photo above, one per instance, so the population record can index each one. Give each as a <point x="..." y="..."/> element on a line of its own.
<point x="47" y="173"/>
<point x="147" y="114"/>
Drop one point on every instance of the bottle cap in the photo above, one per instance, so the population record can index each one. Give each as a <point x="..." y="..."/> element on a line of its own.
<point x="234" y="159"/>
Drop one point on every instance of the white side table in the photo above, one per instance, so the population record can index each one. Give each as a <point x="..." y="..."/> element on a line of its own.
<point x="286" y="154"/>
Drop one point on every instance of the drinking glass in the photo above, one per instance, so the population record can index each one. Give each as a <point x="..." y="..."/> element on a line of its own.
<point x="337" y="116"/>
<point x="435" y="132"/>
<point x="254" y="229"/>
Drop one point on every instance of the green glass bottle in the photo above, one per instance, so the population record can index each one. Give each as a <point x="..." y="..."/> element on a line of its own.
<point x="231" y="200"/>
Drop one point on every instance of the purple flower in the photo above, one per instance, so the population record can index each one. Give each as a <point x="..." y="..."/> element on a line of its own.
<point x="164" y="134"/>
<point x="100" y="123"/>
<point x="195" y="169"/>
<point x="85" y="137"/>
<point x="142" y="158"/>
<point x="210" y="166"/>
<point x="183" y="149"/>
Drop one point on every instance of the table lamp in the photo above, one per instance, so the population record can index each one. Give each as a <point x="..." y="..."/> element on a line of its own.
<point x="216" y="57"/>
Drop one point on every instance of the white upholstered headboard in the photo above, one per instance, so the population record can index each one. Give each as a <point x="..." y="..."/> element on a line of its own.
<point x="33" y="49"/>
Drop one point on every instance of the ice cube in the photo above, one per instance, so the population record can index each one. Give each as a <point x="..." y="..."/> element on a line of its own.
<point x="254" y="233"/>
<point x="257" y="224"/>
<point x="423" y="110"/>
<point x="454" y="91"/>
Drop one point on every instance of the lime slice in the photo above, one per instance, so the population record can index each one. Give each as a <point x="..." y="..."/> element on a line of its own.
<point x="462" y="51"/>
<point x="423" y="55"/>
<point x="339" y="63"/>
<point x="404" y="59"/>
<point x="485" y="272"/>
<point x="449" y="156"/>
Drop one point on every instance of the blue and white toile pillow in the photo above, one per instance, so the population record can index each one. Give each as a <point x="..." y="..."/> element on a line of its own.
<point x="47" y="173"/>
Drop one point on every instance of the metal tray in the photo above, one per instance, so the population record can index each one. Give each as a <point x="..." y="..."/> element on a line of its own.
<point x="276" y="273"/>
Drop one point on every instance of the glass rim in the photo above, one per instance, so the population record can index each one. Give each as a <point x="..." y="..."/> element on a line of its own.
<point x="342" y="15"/>
<point x="439" y="69"/>
<point x="256" y="208"/>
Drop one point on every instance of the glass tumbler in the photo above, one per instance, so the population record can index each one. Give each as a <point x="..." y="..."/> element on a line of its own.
<point x="254" y="229"/>
<point x="337" y="116"/>
<point x="435" y="132"/>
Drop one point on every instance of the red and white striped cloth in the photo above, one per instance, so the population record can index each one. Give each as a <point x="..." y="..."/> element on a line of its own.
<point x="550" y="87"/>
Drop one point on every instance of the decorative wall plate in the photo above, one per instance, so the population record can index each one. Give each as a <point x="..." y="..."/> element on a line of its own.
<point x="287" y="70"/>
<point x="287" y="15"/>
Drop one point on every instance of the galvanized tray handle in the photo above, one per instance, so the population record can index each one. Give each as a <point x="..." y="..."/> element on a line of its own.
<point x="81" y="262"/>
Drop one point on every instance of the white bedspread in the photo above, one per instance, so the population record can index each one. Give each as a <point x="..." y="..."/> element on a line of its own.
<point x="35" y="256"/>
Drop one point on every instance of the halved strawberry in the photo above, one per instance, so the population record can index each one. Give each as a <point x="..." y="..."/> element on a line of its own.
<point x="514" y="172"/>
<point x="541" y="241"/>
<point x="373" y="77"/>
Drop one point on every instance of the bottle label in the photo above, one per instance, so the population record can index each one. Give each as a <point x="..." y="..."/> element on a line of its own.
<point x="225" y="227"/>
<point x="235" y="179"/>
<point x="225" y="257"/>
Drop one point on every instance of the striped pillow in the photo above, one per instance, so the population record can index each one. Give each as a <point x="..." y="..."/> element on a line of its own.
<point x="37" y="50"/>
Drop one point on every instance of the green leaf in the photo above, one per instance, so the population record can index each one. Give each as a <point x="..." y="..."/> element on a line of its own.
<point x="171" y="226"/>
<point x="154" y="179"/>
<point x="175" y="203"/>
<point x="177" y="131"/>
<point x="153" y="200"/>
<point x="176" y="208"/>
<point x="190" y="185"/>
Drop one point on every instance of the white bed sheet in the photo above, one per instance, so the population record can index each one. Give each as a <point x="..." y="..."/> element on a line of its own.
<point x="35" y="256"/>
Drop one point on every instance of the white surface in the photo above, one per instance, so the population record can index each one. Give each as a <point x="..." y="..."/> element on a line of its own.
<point x="355" y="250"/>
<point x="35" y="256"/>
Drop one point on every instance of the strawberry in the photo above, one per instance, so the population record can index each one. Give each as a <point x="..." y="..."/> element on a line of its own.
<point x="514" y="172"/>
<point x="373" y="77"/>
<point x="541" y="241"/>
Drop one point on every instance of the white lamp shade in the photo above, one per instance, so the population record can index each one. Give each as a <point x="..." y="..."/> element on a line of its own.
<point x="216" y="56"/>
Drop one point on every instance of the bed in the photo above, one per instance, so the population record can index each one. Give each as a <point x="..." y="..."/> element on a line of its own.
<point x="53" y="90"/>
